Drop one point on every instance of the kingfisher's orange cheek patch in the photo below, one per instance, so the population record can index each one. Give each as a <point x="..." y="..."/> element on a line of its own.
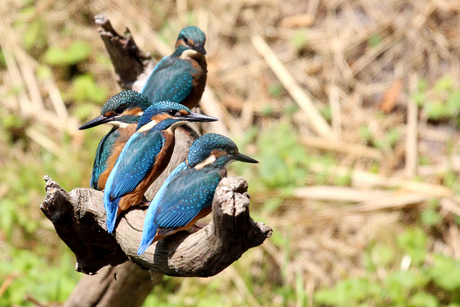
<point x="183" y="112"/>
<point x="218" y="153"/>
<point x="134" y="111"/>
<point x="160" y="117"/>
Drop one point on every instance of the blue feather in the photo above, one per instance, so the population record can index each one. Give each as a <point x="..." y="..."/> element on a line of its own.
<point x="135" y="161"/>
<point x="111" y="206"/>
<point x="193" y="191"/>
<point x="104" y="149"/>
<point x="111" y="210"/>
<point x="148" y="235"/>
<point x="183" y="195"/>
<point x="171" y="79"/>
<point x="150" y="228"/>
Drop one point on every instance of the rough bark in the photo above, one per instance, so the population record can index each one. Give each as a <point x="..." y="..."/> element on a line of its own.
<point x="79" y="217"/>
<point x="127" y="59"/>
<point x="109" y="287"/>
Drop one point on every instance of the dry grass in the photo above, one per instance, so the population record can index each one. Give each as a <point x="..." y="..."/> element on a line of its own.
<point x="362" y="59"/>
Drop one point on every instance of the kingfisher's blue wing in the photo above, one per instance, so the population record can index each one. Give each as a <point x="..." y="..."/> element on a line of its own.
<point x="104" y="149"/>
<point x="135" y="161"/>
<point x="186" y="196"/>
<point x="171" y="80"/>
<point x="150" y="228"/>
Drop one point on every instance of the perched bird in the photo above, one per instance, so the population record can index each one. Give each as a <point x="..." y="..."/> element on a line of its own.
<point x="181" y="76"/>
<point x="187" y="194"/>
<point x="122" y="111"/>
<point x="145" y="156"/>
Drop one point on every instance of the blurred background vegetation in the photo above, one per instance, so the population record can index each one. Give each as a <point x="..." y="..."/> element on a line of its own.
<point x="367" y="215"/>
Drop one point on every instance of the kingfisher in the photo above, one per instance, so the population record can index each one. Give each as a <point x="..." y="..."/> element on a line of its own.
<point x="187" y="194"/>
<point x="181" y="76"/>
<point x="122" y="111"/>
<point x="145" y="156"/>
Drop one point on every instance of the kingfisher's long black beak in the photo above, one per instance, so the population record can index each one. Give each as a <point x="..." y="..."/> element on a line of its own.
<point x="196" y="117"/>
<point x="96" y="122"/>
<point x="199" y="48"/>
<point x="243" y="158"/>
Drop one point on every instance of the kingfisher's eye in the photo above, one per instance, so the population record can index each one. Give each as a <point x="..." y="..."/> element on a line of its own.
<point x="172" y="112"/>
<point x="119" y="110"/>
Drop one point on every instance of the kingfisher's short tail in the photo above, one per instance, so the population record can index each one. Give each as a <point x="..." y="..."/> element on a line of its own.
<point x="149" y="233"/>
<point x="111" y="210"/>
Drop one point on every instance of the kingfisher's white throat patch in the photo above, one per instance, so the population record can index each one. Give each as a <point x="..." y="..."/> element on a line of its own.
<point x="118" y="124"/>
<point x="190" y="54"/>
<point x="205" y="162"/>
<point x="147" y="126"/>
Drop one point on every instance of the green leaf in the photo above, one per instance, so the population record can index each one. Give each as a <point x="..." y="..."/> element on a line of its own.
<point x="430" y="217"/>
<point x="43" y="72"/>
<point x="453" y="103"/>
<point x="344" y="180"/>
<point x="299" y="39"/>
<point x="385" y="254"/>
<point x="282" y="159"/>
<point x="365" y="133"/>
<point x="326" y="112"/>
<point x="347" y="292"/>
<point x="84" y="88"/>
<point x="275" y="90"/>
<point x="400" y="283"/>
<point x="436" y="110"/>
<point x="300" y="290"/>
<point x="445" y="272"/>
<point x="374" y="40"/>
<point x="423" y="299"/>
<point x="78" y="51"/>
<point x="267" y="110"/>
<point x="443" y="84"/>
<point x="419" y="98"/>
<point x="35" y="35"/>
<point x="277" y="238"/>
<point x="83" y="111"/>
<point x="7" y="212"/>
<point x="413" y="242"/>
<point x="392" y="137"/>
<point x="291" y="108"/>
<point x="422" y="85"/>
<point x="271" y="205"/>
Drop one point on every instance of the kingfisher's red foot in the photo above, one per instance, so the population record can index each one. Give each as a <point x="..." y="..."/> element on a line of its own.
<point x="195" y="228"/>
<point x="144" y="203"/>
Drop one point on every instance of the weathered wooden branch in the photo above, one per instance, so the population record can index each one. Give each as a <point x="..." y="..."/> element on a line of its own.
<point x="79" y="219"/>
<point x="120" y="286"/>
<point x="128" y="60"/>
